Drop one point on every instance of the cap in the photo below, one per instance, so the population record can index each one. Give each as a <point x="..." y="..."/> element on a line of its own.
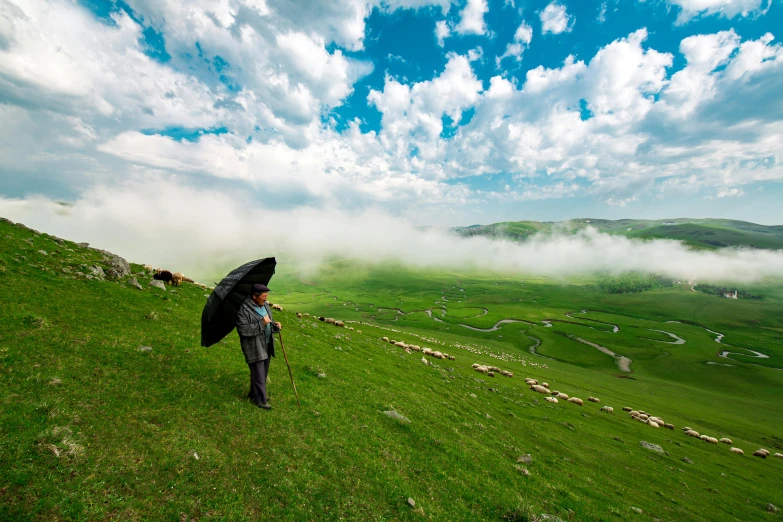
<point x="259" y="289"/>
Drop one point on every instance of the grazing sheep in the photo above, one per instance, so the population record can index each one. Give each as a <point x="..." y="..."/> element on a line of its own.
<point x="416" y="348"/>
<point x="766" y="452"/>
<point x="551" y="399"/>
<point x="576" y="401"/>
<point x="399" y="344"/>
<point x="425" y="361"/>
<point x="340" y="324"/>
<point x="298" y="315"/>
<point x="778" y="455"/>
<point x="725" y="440"/>
<point x="545" y="384"/>
<point x="652" y="424"/>
<point x="475" y="365"/>
<point x="539" y="389"/>
<point x="686" y="428"/>
<point x="607" y="409"/>
<point x="427" y="351"/>
<point x="759" y="453"/>
<point x="562" y="396"/>
<point x="737" y="451"/>
<point x="643" y="416"/>
<point x="454" y="358"/>
<point x="490" y="374"/>
<point x="633" y="413"/>
<point x="147" y="268"/>
<point x="704" y="437"/>
<point x="177" y="278"/>
<point x="392" y="341"/>
<point x="162" y="275"/>
<point x="693" y="433"/>
<point x="667" y="425"/>
<point x="643" y="412"/>
<point x="385" y="339"/>
<point x="531" y="381"/>
<point x="593" y="399"/>
<point x="321" y="318"/>
<point x="627" y="408"/>
<point x="711" y="440"/>
<point x="330" y="320"/>
<point x="350" y="328"/>
<point x="306" y="314"/>
<point x="437" y="355"/>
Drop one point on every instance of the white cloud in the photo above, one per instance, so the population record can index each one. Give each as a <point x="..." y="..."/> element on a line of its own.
<point x="472" y="18"/>
<point x="522" y="38"/>
<point x="200" y="231"/>
<point x="442" y="31"/>
<point x="555" y="19"/>
<point x="690" y="9"/>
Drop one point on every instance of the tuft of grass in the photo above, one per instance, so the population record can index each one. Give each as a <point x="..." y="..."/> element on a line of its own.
<point x="35" y="321"/>
<point x="152" y="316"/>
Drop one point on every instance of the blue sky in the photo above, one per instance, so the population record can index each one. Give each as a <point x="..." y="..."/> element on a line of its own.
<point x="444" y="113"/>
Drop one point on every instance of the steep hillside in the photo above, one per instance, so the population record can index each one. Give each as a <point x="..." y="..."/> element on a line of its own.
<point x="698" y="233"/>
<point x="110" y="410"/>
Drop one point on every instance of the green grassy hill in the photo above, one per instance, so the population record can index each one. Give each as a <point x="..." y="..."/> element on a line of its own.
<point x="697" y="233"/>
<point x="94" y="426"/>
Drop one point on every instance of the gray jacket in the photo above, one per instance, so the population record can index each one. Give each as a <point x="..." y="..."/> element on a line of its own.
<point x="250" y="328"/>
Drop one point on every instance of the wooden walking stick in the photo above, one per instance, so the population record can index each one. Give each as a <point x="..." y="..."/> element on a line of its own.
<point x="289" y="368"/>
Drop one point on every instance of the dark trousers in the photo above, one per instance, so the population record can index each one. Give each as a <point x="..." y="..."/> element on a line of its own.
<point x="258" y="372"/>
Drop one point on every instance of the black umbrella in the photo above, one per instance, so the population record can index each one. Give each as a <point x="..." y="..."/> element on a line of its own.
<point x="220" y="313"/>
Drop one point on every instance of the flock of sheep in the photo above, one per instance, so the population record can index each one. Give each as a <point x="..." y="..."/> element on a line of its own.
<point x="172" y="278"/>
<point x="641" y="416"/>
<point x="489" y="371"/>
<point x="327" y="320"/>
<point x="410" y="348"/>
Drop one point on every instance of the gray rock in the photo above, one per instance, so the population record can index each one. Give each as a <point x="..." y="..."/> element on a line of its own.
<point x="83" y="245"/>
<point x="527" y="459"/>
<point x="771" y="508"/>
<point x="322" y="375"/>
<point x="96" y="272"/>
<point x="549" y="518"/>
<point x="636" y="510"/>
<point x="686" y="459"/>
<point x="144" y="348"/>
<point x="398" y="416"/>
<point x="653" y="447"/>
<point x="43" y="252"/>
<point x="117" y="267"/>
<point x="411" y="502"/>
<point x="135" y="283"/>
<point x="158" y="284"/>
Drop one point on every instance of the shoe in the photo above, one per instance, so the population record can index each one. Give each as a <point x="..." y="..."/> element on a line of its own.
<point x="264" y="406"/>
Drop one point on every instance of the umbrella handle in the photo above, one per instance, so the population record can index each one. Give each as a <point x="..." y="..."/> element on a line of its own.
<point x="280" y="334"/>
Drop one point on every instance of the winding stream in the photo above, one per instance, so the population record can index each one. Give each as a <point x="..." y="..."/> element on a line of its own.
<point x="623" y="363"/>
<point x="677" y="340"/>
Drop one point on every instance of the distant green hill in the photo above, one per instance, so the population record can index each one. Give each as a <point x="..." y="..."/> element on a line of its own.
<point x="698" y="233"/>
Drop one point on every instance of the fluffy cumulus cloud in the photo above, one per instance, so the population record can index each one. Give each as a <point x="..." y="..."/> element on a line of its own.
<point x="690" y="9"/>
<point x="555" y="19"/>
<point x="245" y="101"/>
<point x="522" y="38"/>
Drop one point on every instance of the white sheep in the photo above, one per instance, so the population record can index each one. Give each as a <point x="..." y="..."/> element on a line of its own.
<point x="759" y="453"/>
<point x="765" y="451"/>
<point x="686" y="428"/>
<point x="593" y="399"/>
<point x="425" y="361"/>
<point x="633" y="413"/>
<point x="704" y="437"/>
<point x="737" y="451"/>
<point x="667" y="425"/>
<point x="339" y="323"/>
<point x="627" y="408"/>
<point x="693" y="433"/>
<point x="490" y="374"/>
<point x="711" y="440"/>
<point x="607" y="409"/>
<point x="545" y="384"/>
<point x="306" y="314"/>
<point x="330" y="320"/>
<point x="725" y="440"/>
<point x="531" y="381"/>
<point x="298" y="315"/>
<point x="577" y="401"/>
<point x="277" y="307"/>
<point x="562" y="396"/>
<point x="551" y="399"/>
<point x="427" y="351"/>
<point x="643" y="416"/>
<point x="778" y="455"/>
<point x="399" y="344"/>
<point x="385" y="339"/>
<point x="539" y="389"/>
<point x="652" y="424"/>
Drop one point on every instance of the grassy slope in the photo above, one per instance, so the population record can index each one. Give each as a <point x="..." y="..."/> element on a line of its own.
<point x="131" y="420"/>
<point x="697" y="233"/>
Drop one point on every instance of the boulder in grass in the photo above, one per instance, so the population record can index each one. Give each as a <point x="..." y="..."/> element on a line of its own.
<point x="135" y="283"/>
<point x="652" y="447"/>
<point x="117" y="267"/>
<point x="158" y="284"/>
<point x="397" y="416"/>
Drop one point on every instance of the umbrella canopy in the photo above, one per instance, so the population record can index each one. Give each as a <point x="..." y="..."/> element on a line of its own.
<point x="220" y="313"/>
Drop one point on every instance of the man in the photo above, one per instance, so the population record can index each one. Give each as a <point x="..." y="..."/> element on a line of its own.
<point x="255" y="326"/>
